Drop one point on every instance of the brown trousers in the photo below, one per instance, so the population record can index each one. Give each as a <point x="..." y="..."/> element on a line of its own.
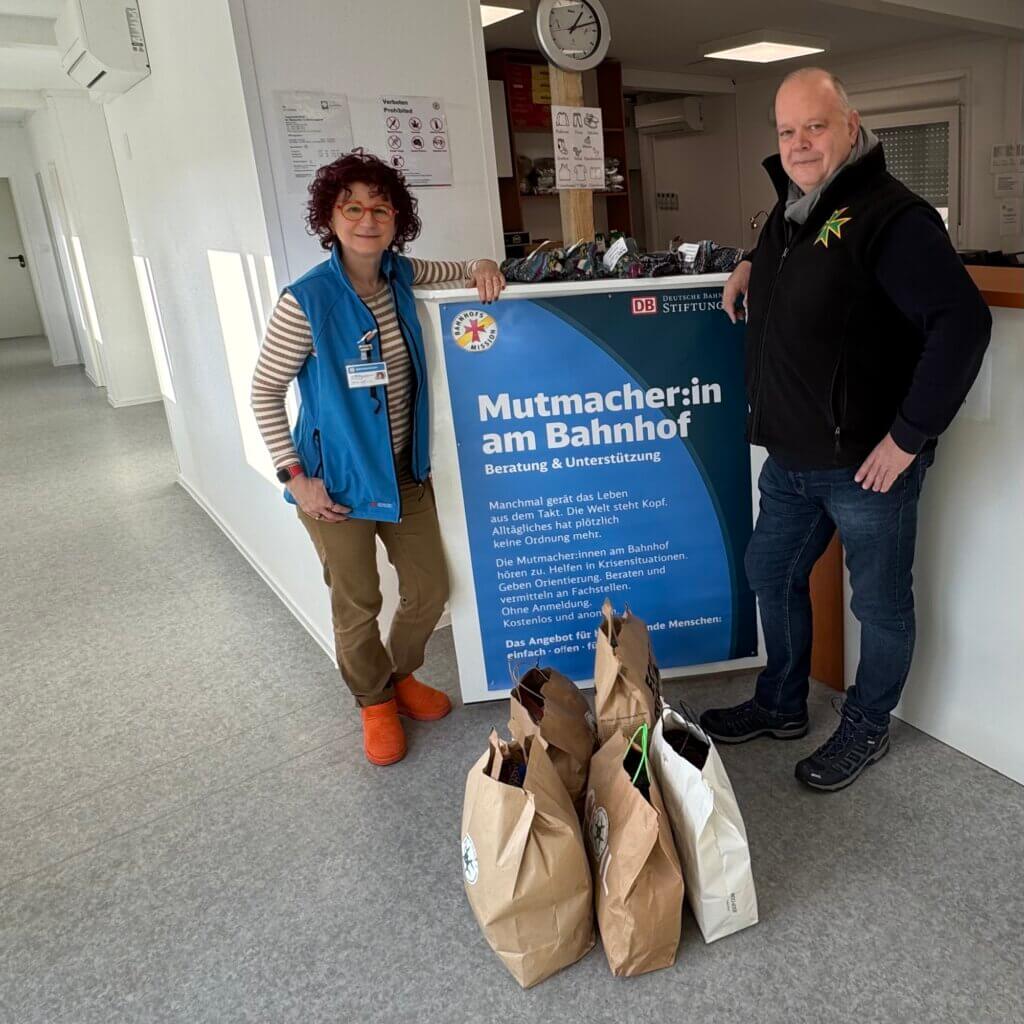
<point x="348" y="553"/>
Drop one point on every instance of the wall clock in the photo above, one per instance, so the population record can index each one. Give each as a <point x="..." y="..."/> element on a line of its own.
<point x="572" y="34"/>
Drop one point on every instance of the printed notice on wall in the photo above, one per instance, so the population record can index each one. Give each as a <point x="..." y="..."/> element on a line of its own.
<point x="1008" y="184"/>
<point x="579" y="147"/>
<point x="316" y="129"/>
<point x="1009" y="217"/>
<point x="416" y="139"/>
<point x="1007" y="156"/>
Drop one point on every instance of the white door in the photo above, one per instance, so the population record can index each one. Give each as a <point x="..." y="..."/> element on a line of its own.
<point x="19" y="314"/>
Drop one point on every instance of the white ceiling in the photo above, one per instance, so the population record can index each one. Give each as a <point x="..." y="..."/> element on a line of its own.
<point x="665" y="35"/>
<point x="650" y="34"/>
<point x="28" y="69"/>
<point x="31" y="69"/>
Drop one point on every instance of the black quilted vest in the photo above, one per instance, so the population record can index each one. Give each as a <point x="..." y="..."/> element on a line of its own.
<point x="829" y="357"/>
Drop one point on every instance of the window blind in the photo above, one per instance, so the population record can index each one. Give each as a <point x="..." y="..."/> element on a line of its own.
<point x="918" y="155"/>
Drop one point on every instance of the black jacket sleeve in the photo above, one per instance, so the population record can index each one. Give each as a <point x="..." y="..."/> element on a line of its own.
<point x="919" y="270"/>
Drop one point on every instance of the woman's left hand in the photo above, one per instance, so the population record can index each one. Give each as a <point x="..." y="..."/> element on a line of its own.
<point x="488" y="280"/>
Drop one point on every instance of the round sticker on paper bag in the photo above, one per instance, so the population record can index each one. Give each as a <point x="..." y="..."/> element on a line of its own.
<point x="598" y="832"/>
<point x="470" y="864"/>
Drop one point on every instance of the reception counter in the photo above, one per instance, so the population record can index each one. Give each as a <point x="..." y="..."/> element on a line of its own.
<point x="965" y="685"/>
<point x="1003" y="287"/>
<point x="964" y="688"/>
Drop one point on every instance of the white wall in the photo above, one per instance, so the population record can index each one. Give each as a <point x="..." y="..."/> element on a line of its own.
<point x="965" y="684"/>
<point x="366" y="51"/>
<point x="702" y="169"/>
<point x="203" y="210"/>
<point x="48" y="158"/>
<point x="889" y="77"/>
<point x="72" y="134"/>
<point x="16" y="163"/>
<point x="185" y="161"/>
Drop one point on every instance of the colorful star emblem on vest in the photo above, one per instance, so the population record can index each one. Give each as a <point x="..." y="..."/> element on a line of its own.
<point x="833" y="226"/>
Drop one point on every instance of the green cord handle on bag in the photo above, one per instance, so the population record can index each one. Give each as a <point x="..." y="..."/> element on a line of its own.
<point x="643" y="730"/>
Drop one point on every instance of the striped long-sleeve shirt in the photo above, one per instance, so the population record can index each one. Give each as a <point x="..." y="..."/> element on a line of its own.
<point x="289" y="342"/>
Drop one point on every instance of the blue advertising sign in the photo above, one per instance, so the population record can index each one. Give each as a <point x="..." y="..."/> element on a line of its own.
<point x="601" y="451"/>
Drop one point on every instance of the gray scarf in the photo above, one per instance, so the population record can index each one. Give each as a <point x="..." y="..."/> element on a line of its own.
<point x="799" y="204"/>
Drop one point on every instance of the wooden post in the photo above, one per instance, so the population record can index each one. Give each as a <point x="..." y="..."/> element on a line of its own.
<point x="827" y="610"/>
<point x="577" y="204"/>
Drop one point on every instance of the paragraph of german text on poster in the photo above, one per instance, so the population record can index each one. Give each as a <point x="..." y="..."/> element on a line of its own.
<point x="602" y="453"/>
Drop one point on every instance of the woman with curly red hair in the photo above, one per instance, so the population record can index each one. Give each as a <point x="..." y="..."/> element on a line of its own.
<point x="357" y="464"/>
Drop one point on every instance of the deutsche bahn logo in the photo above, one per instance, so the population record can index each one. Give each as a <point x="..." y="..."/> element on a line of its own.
<point x="644" y="304"/>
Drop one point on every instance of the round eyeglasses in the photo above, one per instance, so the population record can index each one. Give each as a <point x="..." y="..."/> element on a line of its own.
<point x="353" y="210"/>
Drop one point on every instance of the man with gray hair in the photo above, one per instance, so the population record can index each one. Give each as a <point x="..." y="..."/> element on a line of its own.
<point x="864" y="335"/>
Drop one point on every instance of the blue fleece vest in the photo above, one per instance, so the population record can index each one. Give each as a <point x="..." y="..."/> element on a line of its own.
<point x="342" y="433"/>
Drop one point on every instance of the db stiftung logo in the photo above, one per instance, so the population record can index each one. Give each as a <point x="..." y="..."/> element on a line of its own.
<point x="474" y="330"/>
<point x="643" y="304"/>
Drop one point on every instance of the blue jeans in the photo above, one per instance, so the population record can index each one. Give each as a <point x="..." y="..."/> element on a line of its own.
<point x="800" y="510"/>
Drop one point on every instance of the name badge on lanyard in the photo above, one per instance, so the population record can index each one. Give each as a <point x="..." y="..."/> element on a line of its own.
<point x="363" y="373"/>
<point x="366" y="375"/>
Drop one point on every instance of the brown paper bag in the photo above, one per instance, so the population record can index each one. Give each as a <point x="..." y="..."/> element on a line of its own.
<point x="638" y="883"/>
<point x="546" y="704"/>
<point x="627" y="684"/>
<point x="523" y="861"/>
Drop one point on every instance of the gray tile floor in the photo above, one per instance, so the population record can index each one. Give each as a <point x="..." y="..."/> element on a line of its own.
<point x="189" y="832"/>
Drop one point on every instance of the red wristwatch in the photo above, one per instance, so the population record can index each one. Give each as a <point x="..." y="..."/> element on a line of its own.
<point x="286" y="473"/>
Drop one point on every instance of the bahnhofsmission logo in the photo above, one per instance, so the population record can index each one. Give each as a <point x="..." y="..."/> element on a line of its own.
<point x="474" y="330"/>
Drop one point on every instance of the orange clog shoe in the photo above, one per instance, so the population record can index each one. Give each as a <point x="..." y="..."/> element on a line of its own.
<point x="383" y="736"/>
<point x="421" y="702"/>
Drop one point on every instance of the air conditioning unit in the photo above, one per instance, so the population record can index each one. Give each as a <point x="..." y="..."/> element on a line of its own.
<point x="684" y="114"/>
<point x="101" y="45"/>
